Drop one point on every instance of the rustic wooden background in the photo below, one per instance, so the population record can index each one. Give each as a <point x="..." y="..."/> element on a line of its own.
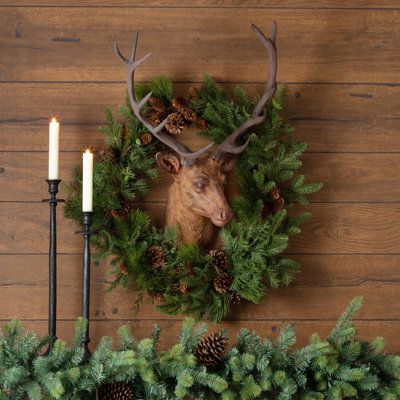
<point x="341" y="61"/>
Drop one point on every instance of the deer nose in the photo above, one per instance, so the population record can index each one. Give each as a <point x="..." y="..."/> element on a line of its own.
<point x="223" y="215"/>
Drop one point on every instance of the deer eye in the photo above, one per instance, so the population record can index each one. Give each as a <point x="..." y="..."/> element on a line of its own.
<point x="200" y="185"/>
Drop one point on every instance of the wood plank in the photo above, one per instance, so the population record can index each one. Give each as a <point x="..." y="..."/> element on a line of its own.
<point x="317" y="270"/>
<point x="334" y="228"/>
<point x="349" y="177"/>
<point x="367" y="330"/>
<point x="331" y="118"/>
<point x="63" y="44"/>
<point x="312" y="4"/>
<point x="304" y="302"/>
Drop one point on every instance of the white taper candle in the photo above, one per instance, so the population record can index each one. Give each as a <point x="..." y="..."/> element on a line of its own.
<point x="54" y="133"/>
<point x="87" y="181"/>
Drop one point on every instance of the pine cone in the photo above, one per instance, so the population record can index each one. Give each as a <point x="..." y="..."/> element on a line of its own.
<point x="179" y="103"/>
<point x="219" y="259"/>
<point x="123" y="211"/>
<point x="212" y="349"/>
<point x="235" y="298"/>
<point x="266" y="210"/>
<point x="202" y="124"/>
<point x="156" y="104"/>
<point x="157" y="297"/>
<point x="279" y="204"/>
<point x="106" y="154"/>
<point x="157" y="117"/>
<point x="155" y="256"/>
<point x="146" y="138"/>
<point x="193" y="93"/>
<point x="115" y="391"/>
<point x="123" y="269"/>
<point x="175" y="123"/>
<point x="275" y="193"/>
<point x="223" y="282"/>
<point x="125" y="133"/>
<point x="189" y="114"/>
<point x="181" y="287"/>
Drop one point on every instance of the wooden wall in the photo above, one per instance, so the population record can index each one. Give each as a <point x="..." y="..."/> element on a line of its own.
<point x="341" y="61"/>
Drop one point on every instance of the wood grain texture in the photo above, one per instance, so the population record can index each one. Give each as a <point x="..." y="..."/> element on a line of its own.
<point x="330" y="118"/>
<point x="368" y="228"/>
<point x="305" y="300"/>
<point x="63" y="44"/>
<point x="312" y="4"/>
<point x="347" y="177"/>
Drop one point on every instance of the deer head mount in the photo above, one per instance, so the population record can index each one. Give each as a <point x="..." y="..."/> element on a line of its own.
<point x="196" y="199"/>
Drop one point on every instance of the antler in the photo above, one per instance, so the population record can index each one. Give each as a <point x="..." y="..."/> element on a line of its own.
<point x="187" y="156"/>
<point x="258" y="115"/>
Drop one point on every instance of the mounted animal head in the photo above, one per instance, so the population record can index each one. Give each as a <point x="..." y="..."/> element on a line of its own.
<point x="197" y="195"/>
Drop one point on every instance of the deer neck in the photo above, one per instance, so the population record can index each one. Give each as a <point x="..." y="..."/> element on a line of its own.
<point x="194" y="228"/>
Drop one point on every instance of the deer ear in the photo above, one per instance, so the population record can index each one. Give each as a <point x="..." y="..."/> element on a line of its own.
<point x="170" y="162"/>
<point x="228" y="162"/>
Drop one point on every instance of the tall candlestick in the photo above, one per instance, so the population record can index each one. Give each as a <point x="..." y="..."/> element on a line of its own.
<point x="87" y="181"/>
<point x="54" y="133"/>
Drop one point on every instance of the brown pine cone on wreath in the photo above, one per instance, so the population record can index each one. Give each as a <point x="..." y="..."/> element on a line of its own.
<point x="275" y="193"/>
<point x="146" y="138"/>
<point x="235" y="297"/>
<point x="193" y="93"/>
<point x="156" y="104"/>
<point x="278" y="205"/>
<point x="181" y="287"/>
<point x="175" y="123"/>
<point x="189" y="114"/>
<point x="157" y="297"/>
<point x="266" y="210"/>
<point x="223" y="282"/>
<point x="155" y="255"/>
<point x="157" y="117"/>
<point x="106" y="154"/>
<point x="212" y="349"/>
<point x="123" y="211"/>
<point x="115" y="391"/>
<point x="219" y="259"/>
<point x="202" y="124"/>
<point x="179" y="103"/>
<point x="123" y="269"/>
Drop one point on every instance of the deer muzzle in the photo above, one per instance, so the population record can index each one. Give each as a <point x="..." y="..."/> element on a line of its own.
<point x="221" y="217"/>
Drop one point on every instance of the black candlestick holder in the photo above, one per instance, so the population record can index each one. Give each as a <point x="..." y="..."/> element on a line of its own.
<point x="86" y="233"/>
<point x="53" y="190"/>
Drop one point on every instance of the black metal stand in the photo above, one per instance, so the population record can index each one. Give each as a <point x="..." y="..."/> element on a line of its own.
<point x="53" y="190"/>
<point x="86" y="233"/>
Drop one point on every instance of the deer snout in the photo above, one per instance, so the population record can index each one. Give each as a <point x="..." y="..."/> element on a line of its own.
<point x="222" y="216"/>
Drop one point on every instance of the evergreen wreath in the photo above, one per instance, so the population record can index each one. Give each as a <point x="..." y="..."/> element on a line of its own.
<point x="335" y="368"/>
<point x="188" y="279"/>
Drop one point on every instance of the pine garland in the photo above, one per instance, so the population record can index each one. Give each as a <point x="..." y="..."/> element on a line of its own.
<point x="253" y="242"/>
<point x="338" y="367"/>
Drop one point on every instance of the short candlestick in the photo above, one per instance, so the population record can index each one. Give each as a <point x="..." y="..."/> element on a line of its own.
<point x="86" y="222"/>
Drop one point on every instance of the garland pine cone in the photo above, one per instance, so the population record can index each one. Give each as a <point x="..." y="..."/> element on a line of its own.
<point x="212" y="349"/>
<point x="115" y="391"/>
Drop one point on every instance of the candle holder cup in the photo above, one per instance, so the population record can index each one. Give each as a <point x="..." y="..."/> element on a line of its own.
<point x="53" y="190"/>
